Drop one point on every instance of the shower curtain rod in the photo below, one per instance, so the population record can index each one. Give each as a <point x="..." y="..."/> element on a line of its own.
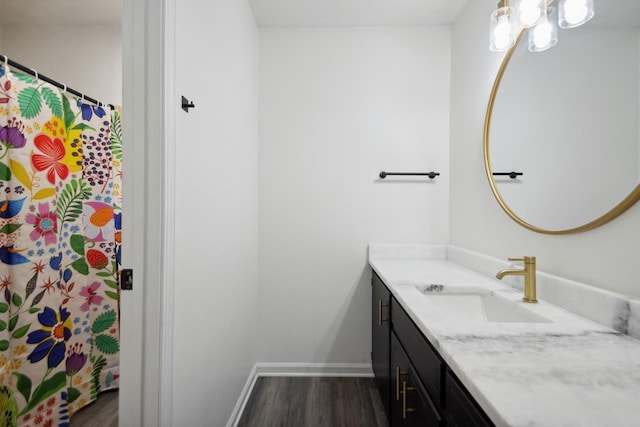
<point x="39" y="76"/>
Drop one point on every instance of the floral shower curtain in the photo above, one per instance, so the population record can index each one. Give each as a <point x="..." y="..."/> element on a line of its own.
<point x="60" y="216"/>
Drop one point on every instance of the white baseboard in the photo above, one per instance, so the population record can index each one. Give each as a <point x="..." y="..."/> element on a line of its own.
<point x="234" y="419"/>
<point x="314" y="370"/>
<point x="295" y="370"/>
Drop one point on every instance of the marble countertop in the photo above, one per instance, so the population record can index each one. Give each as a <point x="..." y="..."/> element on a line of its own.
<point x="570" y="371"/>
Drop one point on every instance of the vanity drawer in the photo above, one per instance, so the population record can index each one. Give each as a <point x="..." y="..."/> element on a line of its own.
<point x="424" y="358"/>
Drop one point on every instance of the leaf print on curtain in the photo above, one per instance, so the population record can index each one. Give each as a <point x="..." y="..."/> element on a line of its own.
<point x="60" y="220"/>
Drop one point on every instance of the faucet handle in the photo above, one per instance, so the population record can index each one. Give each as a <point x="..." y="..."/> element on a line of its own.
<point x="525" y="259"/>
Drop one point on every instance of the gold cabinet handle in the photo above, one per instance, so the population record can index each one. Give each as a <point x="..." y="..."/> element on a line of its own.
<point x="398" y="374"/>
<point x="380" y="319"/>
<point x="405" y="389"/>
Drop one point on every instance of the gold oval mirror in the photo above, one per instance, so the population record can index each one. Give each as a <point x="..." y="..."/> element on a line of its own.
<point x="568" y="120"/>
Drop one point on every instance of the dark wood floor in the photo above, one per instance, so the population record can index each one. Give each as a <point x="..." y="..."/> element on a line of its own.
<point x="101" y="413"/>
<point x="314" y="402"/>
<point x="280" y="402"/>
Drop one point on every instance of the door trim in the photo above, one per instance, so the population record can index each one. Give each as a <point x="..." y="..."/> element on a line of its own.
<point x="146" y="342"/>
<point x="168" y="244"/>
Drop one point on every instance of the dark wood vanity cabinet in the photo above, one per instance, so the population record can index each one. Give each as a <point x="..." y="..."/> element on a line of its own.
<point x="416" y="386"/>
<point x="380" y="336"/>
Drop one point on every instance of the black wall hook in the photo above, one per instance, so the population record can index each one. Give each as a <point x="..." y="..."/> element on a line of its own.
<point x="186" y="104"/>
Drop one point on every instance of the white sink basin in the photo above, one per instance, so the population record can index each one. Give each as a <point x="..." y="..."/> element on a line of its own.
<point x="478" y="305"/>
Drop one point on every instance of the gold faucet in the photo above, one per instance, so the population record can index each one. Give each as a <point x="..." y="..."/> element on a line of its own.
<point x="529" y="274"/>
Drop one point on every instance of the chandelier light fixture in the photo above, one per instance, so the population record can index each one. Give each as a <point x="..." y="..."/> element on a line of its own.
<point x="501" y="30"/>
<point x="544" y="34"/>
<point x="541" y="17"/>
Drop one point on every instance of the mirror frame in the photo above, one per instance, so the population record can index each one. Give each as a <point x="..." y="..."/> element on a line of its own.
<point x="616" y="211"/>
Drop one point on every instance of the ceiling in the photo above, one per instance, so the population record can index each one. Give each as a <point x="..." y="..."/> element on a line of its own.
<point x="268" y="13"/>
<point x="79" y="12"/>
<point x="289" y="13"/>
<point x="304" y="13"/>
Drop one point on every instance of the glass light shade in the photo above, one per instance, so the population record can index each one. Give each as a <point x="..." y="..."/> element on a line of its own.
<point x="529" y="11"/>
<point x="501" y="32"/>
<point x="545" y="34"/>
<point x="574" y="13"/>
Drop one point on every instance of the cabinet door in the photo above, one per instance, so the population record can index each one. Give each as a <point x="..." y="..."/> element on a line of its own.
<point x="380" y="338"/>
<point x="399" y="374"/>
<point x="462" y="409"/>
<point x="410" y="402"/>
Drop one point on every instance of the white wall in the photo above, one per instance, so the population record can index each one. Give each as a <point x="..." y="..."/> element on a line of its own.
<point x="215" y="295"/>
<point x="605" y="257"/>
<point x="337" y="106"/>
<point x="85" y="58"/>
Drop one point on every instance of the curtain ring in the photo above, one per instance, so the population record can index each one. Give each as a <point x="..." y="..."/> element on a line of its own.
<point x="6" y="64"/>
<point x="64" y="89"/>
<point x="35" y="73"/>
<point x="82" y="97"/>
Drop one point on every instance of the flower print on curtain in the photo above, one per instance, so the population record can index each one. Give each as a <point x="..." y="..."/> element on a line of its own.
<point x="60" y="216"/>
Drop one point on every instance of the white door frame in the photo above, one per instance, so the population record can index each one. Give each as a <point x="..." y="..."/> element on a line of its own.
<point x="148" y="121"/>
